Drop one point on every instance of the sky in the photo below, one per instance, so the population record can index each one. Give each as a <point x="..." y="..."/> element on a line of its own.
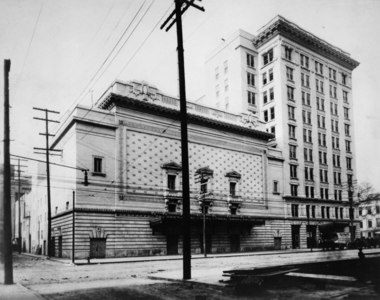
<point x="67" y="52"/>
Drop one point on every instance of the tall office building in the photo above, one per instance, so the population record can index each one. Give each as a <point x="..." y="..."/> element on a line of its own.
<point x="301" y="87"/>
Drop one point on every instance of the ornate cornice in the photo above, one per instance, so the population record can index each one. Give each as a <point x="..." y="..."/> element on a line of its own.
<point x="113" y="100"/>
<point x="281" y="26"/>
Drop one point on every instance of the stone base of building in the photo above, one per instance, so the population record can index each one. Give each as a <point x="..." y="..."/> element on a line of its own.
<point x="100" y="235"/>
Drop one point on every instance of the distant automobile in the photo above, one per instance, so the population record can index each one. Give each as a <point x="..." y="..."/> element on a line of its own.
<point x="335" y="240"/>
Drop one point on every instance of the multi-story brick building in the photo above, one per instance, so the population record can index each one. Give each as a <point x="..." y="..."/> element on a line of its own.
<point x="301" y="87"/>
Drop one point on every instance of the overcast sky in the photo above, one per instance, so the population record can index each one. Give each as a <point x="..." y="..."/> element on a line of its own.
<point x="60" y="53"/>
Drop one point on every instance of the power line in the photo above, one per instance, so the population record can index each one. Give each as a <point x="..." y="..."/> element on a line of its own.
<point x="30" y="44"/>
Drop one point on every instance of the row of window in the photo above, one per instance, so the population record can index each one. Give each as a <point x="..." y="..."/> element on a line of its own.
<point x="305" y="82"/>
<point x="324" y="192"/>
<point x="321" y="136"/>
<point x="318" y="66"/>
<point x="369" y="210"/>
<point x="325" y="211"/>
<point x="371" y="224"/>
<point x="225" y="68"/>
<point x="309" y="171"/>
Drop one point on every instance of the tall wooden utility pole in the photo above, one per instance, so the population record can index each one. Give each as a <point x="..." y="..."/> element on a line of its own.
<point x="180" y="7"/>
<point x="7" y="216"/>
<point x="47" y="153"/>
<point x="19" y="206"/>
<point x="73" y="241"/>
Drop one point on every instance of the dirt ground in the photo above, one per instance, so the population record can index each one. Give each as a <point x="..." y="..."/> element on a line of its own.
<point x="55" y="280"/>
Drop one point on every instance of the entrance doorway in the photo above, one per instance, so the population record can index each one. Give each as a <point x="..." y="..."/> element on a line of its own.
<point x="311" y="239"/>
<point x="51" y="246"/>
<point x="172" y="244"/>
<point x="60" y="246"/>
<point x="295" y="236"/>
<point x="235" y="242"/>
<point x="97" y="247"/>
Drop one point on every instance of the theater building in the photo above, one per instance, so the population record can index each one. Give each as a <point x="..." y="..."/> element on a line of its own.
<point x="132" y="204"/>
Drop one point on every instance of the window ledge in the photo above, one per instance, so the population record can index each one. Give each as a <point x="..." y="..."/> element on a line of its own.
<point x="98" y="174"/>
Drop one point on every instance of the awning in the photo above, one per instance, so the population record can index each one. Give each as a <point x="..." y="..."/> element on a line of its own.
<point x="172" y="223"/>
<point x="333" y="226"/>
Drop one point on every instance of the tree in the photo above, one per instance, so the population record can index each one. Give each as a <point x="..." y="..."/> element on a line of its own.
<point x="364" y="189"/>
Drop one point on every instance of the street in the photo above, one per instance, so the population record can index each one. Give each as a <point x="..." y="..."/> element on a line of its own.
<point x="162" y="279"/>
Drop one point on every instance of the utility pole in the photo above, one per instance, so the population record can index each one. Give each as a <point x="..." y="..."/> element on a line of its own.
<point x="19" y="206"/>
<point x="351" y="212"/>
<point x="73" y="242"/>
<point x="7" y="224"/>
<point x="180" y="8"/>
<point x="47" y="153"/>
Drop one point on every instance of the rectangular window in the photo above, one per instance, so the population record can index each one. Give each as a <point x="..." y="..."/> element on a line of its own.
<point x="328" y="212"/>
<point x="305" y="80"/>
<point x="305" y="98"/>
<point x="322" y="212"/>
<point x="346" y="113"/>
<point x="292" y="152"/>
<point x="347" y="129"/>
<point x="304" y="61"/>
<point x="271" y="94"/>
<point x="288" y="53"/>
<point x="232" y="188"/>
<point x="291" y="110"/>
<point x="225" y="66"/>
<point x="309" y="173"/>
<point x="341" y="212"/>
<point x="349" y="163"/>
<point x="318" y="68"/>
<point x="332" y="91"/>
<point x="344" y="79"/>
<point x="251" y="98"/>
<point x="294" y="190"/>
<point x="268" y="57"/>
<point x="307" y="211"/>
<point x="345" y="96"/>
<point x="289" y="74"/>
<point x="250" y="60"/>
<point x="294" y="210"/>
<point x="293" y="171"/>
<point x="275" y="187"/>
<point x="171" y="182"/>
<point x="313" y="211"/>
<point x="307" y="136"/>
<point x="266" y="119"/>
<point x="348" y="146"/>
<point x="250" y="79"/>
<point x="270" y="75"/>
<point x="332" y="74"/>
<point x="98" y="165"/>
<point x="290" y="92"/>
<point x="265" y="81"/>
<point x="272" y="113"/>
<point x="265" y="97"/>
<point x="292" y="131"/>
<point x="336" y="212"/>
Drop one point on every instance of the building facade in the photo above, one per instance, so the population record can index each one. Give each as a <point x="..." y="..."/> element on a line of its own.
<point x="132" y="204"/>
<point x="369" y="211"/>
<point x="272" y="166"/>
<point x="300" y="86"/>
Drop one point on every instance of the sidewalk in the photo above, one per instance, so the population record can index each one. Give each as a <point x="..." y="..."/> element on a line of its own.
<point x="133" y="259"/>
<point x="17" y="292"/>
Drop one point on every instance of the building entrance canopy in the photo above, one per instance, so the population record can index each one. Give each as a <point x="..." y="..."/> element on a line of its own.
<point x="172" y="223"/>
